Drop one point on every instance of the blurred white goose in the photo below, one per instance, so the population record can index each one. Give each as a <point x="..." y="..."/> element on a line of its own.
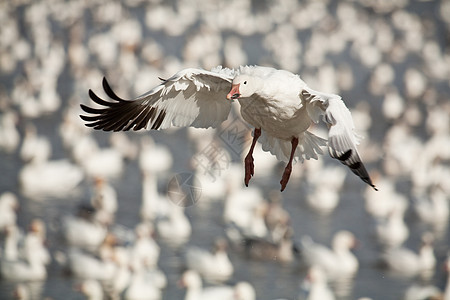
<point x="32" y="268"/>
<point x="244" y="207"/>
<point x="34" y="145"/>
<point x="41" y="177"/>
<point x="175" y="228"/>
<point x="93" y="233"/>
<point x="154" y="158"/>
<point x="154" y="204"/>
<point x="122" y="275"/>
<point x="392" y="231"/>
<point x="212" y="266"/>
<point x="316" y="286"/>
<point x="193" y="283"/>
<point x="277" y="103"/>
<point x="84" y="265"/>
<point x="338" y="261"/>
<point x="34" y="242"/>
<point x="9" y="135"/>
<point x="432" y="208"/>
<point x="21" y="292"/>
<point x="405" y="262"/>
<point x="419" y="291"/>
<point x="324" y="184"/>
<point x="122" y="143"/>
<point x="91" y="288"/>
<point x="144" y="251"/>
<point x="141" y="287"/>
<point x="8" y="206"/>
<point x="379" y="205"/>
<point x="10" y="247"/>
<point x="104" y="200"/>
<point x="95" y="161"/>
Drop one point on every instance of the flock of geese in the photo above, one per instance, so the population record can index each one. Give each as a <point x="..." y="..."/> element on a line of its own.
<point x="54" y="51"/>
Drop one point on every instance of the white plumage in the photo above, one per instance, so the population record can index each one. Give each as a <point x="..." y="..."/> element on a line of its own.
<point x="277" y="103"/>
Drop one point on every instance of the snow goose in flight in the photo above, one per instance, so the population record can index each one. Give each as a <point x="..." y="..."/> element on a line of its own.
<point x="277" y="103"/>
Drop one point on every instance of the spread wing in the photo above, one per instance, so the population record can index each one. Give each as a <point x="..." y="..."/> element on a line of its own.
<point x="342" y="139"/>
<point x="192" y="97"/>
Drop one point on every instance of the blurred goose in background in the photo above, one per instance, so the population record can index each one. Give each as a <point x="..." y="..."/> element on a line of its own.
<point x="144" y="251"/>
<point x="104" y="200"/>
<point x="94" y="232"/>
<point x="281" y="250"/>
<point x="213" y="266"/>
<point x="34" y="145"/>
<point x="154" y="204"/>
<point x="406" y="263"/>
<point x="337" y="262"/>
<point x="193" y="283"/>
<point x="142" y="286"/>
<point x="315" y="285"/>
<point x="84" y="265"/>
<point x="21" y="292"/>
<point x="9" y="135"/>
<point x="419" y="291"/>
<point x="381" y="204"/>
<point x="10" y="247"/>
<point x="8" y="207"/>
<point x="122" y="275"/>
<point x="244" y="208"/>
<point x="95" y="161"/>
<point x="324" y="185"/>
<point x="31" y="268"/>
<point x="42" y="177"/>
<point x="34" y="242"/>
<point x="174" y="228"/>
<point x="91" y="288"/>
<point x="392" y="231"/>
<point x="186" y="99"/>
<point x="122" y="143"/>
<point x="154" y="158"/>
<point x="433" y="207"/>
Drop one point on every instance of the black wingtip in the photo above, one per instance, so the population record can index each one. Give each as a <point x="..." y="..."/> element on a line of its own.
<point x="109" y="91"/>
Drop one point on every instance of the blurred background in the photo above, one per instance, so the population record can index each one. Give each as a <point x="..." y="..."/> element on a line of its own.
<point x="92" y="214"/>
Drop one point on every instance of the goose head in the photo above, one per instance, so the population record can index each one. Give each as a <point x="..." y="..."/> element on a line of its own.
<point x="244" y="86"/>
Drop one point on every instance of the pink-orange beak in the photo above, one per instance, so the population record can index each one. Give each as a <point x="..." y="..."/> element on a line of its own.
<point x="234" y="93"/>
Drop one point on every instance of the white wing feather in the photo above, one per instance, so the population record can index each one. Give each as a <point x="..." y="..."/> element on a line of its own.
<point x="342" y="139"/>
<point x="192" y="97"/>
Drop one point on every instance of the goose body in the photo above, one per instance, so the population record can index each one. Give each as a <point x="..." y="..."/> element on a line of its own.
<point x="277" y="103"/>
<point x="336" y="262"/>
<point x="215" y="266"/>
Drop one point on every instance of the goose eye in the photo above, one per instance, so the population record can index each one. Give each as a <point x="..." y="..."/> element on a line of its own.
<point x="245" y="82"/>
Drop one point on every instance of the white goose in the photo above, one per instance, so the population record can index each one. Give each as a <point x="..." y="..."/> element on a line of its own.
<point x="34" y="242"/>
<point x="30" y="269"/>
<point x="175" y="228"/>
<point x="93" y="232"/>
<point x="406" y="263"/>
<point x="213" y="266"/>
<point x="145" y="251"/>
<point x="91" y="288"/>
<point x="154" y="204"/>
<point x="277" y="103"/>
<point x="8" y="207"/>
<point x="338" y="262"/>
<point x="392" y="231"/>
<point x="193" y="283"/>
<point x="316" y="286"/>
